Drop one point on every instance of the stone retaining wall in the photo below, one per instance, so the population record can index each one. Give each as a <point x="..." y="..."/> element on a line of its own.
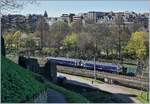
<point x="41" y="98"/>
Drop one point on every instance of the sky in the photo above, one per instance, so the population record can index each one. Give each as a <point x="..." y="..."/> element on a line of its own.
<point x="56" y="8"/>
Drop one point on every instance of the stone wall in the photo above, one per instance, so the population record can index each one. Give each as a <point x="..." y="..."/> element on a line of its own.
<point x="49" y="70"/>
<point x="2" y="47"/>
<point x="41" y="98"/>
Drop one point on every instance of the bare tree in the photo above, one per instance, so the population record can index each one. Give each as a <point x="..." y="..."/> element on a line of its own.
<point x="43" y="29"/>
<point x="12" y="5"/>
<point x="119" y="24"/>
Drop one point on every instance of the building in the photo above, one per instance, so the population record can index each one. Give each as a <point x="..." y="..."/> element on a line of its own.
<point x="76" y="18"/>
<point x="71" y="17"/>
<point x="94" y="16"/>
<point x="52" y="20"/>
<point x="65" y="18"/>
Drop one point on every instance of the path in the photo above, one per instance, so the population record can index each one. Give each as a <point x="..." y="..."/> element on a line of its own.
<point x="119" y="91"/>
<point x="50" y="96"/>
<point x="55" y="97"/>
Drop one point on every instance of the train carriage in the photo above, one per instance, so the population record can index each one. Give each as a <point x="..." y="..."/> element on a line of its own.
<point x="107" y="67"/>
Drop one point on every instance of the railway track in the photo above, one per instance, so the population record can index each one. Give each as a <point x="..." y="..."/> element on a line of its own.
<point x="135" y="82"/>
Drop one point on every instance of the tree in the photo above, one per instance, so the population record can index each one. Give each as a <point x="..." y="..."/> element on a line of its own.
<point x="77" y="26"/>
<point x="43" y="31"/>
<point x="11" y="5"/>
<point x="120" y="25"/>
<point x="8" y="40"/>
<point x="30" y="45"/>
<point x="58" y="31"/>
<point x="138" y="45"/>
<point x="7" y="5"/>
<point x="70" y="40"/>
<point x="16" y="39"/>
<point x="119" y="39"/>
<point x="85" y="45"/>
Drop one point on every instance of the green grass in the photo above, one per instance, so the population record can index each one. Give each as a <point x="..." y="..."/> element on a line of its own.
<point x="21" y="85"/>
<point x="17" y="84"/>
<point x="143" y="97"/>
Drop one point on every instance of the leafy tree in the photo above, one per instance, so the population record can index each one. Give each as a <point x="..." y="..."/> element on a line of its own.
<point x="70" y="39"/>
<point x="138" y="45"/>
<point x="30" y="43"/>
<point x="16" y="39"/>
<point x="71" y="42"/>
<point x="8" y="40"/>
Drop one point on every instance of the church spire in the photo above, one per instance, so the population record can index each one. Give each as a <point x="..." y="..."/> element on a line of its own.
<point x="45" y="14"/>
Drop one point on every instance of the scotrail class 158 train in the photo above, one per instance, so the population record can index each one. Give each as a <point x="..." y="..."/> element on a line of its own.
<point x="107" y="67"/>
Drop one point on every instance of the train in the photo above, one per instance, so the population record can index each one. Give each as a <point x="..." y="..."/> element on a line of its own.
<point x="99" y="66"/>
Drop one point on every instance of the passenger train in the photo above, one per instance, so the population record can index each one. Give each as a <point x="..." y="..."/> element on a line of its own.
<point x="106" y="67"/>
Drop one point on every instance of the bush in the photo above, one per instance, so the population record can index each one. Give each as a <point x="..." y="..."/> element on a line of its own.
<point x="131" y="74"/>
<point x="143" y="97"/>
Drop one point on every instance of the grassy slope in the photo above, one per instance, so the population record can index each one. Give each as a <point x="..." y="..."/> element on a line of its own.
<point x="19" y="84"/>
<point x="143" y="97"/>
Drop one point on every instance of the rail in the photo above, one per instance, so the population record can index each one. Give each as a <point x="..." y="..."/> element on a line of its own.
<point x="131" y="81"/>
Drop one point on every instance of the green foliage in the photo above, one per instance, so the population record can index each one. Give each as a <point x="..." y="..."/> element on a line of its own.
<point x="17" y="35"/>
<point x="47" y="51"/>
<point x="60" y="28"/>
<point x="30" y="43"/>
<point x="138" y="45"/>
<point x="143" y="97"/>
<point x="16" y="38"/>
<point x="8" y="40"/>
<point x="71" y="39"/>
<point x="17" y="83"/>
<point x="58" y="31"/>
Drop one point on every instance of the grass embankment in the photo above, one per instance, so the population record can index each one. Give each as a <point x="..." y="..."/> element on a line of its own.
<point x="92" y="94"/>
<point x="70" y="96"/>
<point x="21" y="85"/>
<point x="143" y="97"/>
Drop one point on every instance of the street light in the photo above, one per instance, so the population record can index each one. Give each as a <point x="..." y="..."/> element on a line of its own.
<point x="94" y="69"/>
<point x="95" y="45"/>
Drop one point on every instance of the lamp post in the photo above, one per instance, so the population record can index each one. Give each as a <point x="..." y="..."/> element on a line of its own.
<point x="94" y="69"/>
<point x="95" y="54"/>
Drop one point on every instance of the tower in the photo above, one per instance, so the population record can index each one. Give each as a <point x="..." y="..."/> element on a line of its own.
<point x="45" y="14"/>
